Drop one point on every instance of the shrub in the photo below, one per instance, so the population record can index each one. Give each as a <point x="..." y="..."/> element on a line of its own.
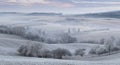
<point x="93" y="50"/>
<point x="59" y="53"/>
<point x="22" y="49"/>
<point x="80" y="52"/>
<point x="101" y="50"/>
<point x="98" y="50"/>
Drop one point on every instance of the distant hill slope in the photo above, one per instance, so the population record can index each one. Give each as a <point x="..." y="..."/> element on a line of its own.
<point x="44" y="14"/>
<point x="32" y="14"/>
<point x="113" y="14"/>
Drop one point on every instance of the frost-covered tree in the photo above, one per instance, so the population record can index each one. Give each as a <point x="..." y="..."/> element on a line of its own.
<point x="93" y="50"/>
<point x="30" y="49"/>
<point x="18" y="30"/>
<point x="80" y="52"/>
<point x="45" y="53"/>
<point x="31" y="36"/>
<point x="22" y="49"/>
<point x="36" y="35"/>
<point x="67" y="38"/>
<point x="59" y="53"/>
<point x="98" y="50"/>
<point x="111" y="45"/>
<point x="4" y="29"/>
<point x="101" y="50"/>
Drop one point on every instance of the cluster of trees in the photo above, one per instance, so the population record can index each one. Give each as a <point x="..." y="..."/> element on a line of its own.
<point x="38" y="50"/>
<point x="17" y="30"/>
<point x="108" y="46"/>
<point x="23" y="31"/>
<point x="37" y="35"/>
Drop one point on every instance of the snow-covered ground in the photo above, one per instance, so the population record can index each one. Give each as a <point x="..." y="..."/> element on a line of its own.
<point x="91" y="29"/>
<point x="10" y="60"/>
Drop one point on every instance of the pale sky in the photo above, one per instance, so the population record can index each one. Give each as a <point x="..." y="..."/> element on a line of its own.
<point x="60" y="6"/>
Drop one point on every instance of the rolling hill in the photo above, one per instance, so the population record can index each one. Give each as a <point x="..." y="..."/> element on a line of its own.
<point x="31" y="14"/>
<point x="112" y="14"/>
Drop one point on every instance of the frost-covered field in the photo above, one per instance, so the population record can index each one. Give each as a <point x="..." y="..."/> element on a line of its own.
<point x="8" y="60"/>
<point x="84" y="29"/>
<point x="60" y="23"/>
<point x="9" y="54"/>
